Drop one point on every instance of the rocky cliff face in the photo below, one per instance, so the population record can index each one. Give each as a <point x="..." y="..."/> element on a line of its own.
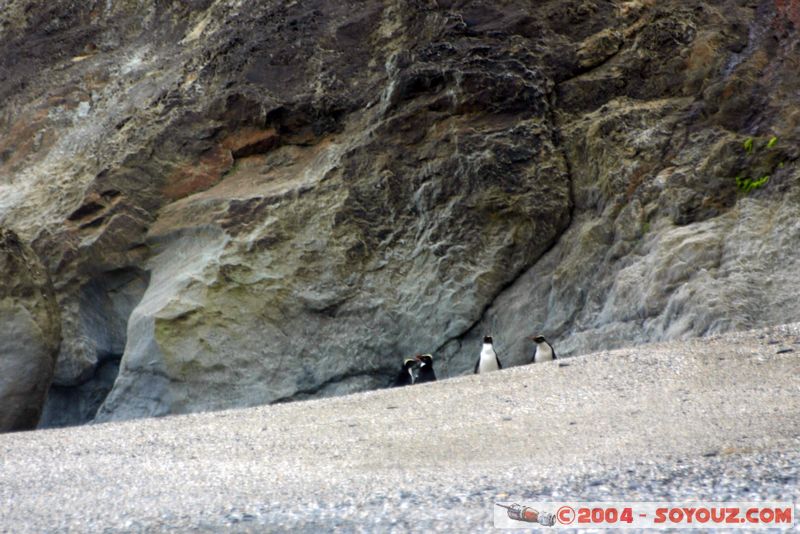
<point x="668" y="135"/>
<point x="241" y="204"/>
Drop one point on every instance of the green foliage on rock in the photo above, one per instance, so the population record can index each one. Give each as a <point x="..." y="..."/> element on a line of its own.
<point x="746" y="185"/>
<point x="761" y="163"/>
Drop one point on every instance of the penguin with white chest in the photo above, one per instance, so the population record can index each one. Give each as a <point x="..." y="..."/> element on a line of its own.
<point x="544" y="351"/>
<point x="408" y="373"/>
<point x="488" y="360"/>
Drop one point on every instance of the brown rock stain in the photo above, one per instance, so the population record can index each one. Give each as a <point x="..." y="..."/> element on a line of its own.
<point x="193" y="177"/>
<point x="702" y="53"/>
<point x="790" y="10"/>
<point x="250" y="141"/>
<point x="21" y="140"/>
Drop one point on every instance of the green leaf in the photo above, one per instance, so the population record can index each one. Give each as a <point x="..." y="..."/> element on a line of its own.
<point x="745" y="185"/>
<point x="748" y="145"/>
<point x="772" y="142"/>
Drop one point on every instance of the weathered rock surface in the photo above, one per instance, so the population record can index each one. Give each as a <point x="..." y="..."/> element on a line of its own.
<point x="29" y="334"/>
<point x="244" y="204"/>
<point x="664" y="244"/>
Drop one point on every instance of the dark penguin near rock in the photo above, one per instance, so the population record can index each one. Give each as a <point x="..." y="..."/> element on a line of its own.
<point x="425" y="372"/>
<point x="408" y="373"/>
<point x="544" y="351"/>
<point x="488" y="360"/>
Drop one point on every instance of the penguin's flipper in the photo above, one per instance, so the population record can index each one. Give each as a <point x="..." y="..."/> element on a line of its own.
<point x="496" y="357"/>
<point x="477" y="364"/>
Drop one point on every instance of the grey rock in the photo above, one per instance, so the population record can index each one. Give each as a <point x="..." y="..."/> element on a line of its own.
<point x="89" y="361"/>
<point x="281" y="201"/>
<point x="29" y="334"/>
<point x="75" y="405"/>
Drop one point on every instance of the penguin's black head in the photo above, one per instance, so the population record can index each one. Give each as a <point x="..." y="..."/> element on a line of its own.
<point x="410" y="363"/>
<point x="538" y="339"/>
<point x="487" y="339"/>
<point x="425" y="359"/>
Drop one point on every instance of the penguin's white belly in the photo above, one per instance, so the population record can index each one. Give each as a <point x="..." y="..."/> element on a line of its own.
<point x="488" y="361"/>
<point x="543" y="353"/>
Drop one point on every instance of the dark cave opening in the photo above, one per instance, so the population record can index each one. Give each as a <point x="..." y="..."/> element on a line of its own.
<point x="105" y="304"/>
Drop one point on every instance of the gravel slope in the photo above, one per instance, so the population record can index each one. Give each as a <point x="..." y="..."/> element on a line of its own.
<point x="716" y="418"/>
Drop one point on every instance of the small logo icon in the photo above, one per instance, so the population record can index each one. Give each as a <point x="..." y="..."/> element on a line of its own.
<point x="528" y="515"/>
<point x="565" y="515"/>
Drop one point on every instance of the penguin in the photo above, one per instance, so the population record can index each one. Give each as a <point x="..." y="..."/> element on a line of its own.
<point x="425" y="373"/>
<point x="408" y="373"/>
<point x="488" y="360"/>
<point x="544" y="351"/>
